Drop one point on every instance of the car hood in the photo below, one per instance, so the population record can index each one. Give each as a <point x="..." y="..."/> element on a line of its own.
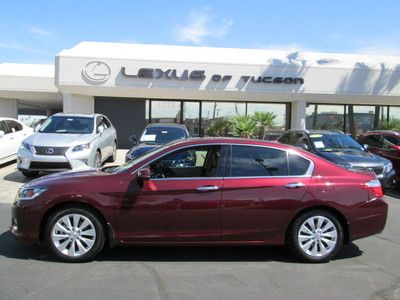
<point x="57" y="139"/>
<point x="140" y="149"/>
<point x="63" y="176"/>
<point x="355" y="158"/>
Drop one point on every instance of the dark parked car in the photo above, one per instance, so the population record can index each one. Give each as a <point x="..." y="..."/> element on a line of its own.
<point x="385" y="143"/>
<point x="154" y="136"/>
<point x="231" y="192"/>
<point x="342" y="150"/>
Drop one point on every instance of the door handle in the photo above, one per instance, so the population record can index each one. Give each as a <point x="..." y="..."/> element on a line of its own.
<point x="294" y="185"/>
<point x="207" y="188"/>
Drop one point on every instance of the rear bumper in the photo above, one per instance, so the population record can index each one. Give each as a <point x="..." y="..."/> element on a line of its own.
<point x="367" y="219"/>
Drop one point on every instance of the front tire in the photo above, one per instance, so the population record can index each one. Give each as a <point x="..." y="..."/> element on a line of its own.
<point x="113" y="156"/>
<point x="74" y="234"/>
<point x="97" y="160"/>
<point x="316" y="236"/>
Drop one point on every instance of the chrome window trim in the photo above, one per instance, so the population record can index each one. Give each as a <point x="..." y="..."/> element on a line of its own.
<point x="308" y="173"/>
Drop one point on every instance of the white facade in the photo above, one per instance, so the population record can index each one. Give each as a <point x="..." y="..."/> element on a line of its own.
<point x="91" y="70"/>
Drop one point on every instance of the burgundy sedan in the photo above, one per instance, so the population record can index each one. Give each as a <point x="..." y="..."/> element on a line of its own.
<point x="206" y="191"/>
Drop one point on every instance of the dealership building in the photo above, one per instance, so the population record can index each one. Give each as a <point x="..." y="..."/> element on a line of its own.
<point x="135" y="84"/>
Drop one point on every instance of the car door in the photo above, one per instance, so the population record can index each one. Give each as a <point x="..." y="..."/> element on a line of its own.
<point x="262" y="186"/>
<point x="390" y="150"/>
<point x="17" y="134"/>
<point x="179" y="203"/>
<point x="6" y="141"/>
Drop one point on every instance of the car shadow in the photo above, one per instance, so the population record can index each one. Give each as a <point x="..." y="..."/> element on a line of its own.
<point x="16" y="176"/>
<point x="12" y="248"/>
<point x="395" y="193"/>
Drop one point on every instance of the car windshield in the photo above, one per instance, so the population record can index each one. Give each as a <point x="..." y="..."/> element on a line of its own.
<point x="334" y="143"/>
<point x="68" y="124"/>
<point x="143" y="156"/>
<point x="162" y="135"/>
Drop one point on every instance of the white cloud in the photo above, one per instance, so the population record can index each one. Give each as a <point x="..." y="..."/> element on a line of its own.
<point x="39" y="31"/>
<point x="201" y="26"/>
<point x="16" y="46"/>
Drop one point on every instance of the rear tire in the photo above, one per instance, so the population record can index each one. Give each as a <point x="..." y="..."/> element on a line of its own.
<point x="315" y="236"/>
<point x="74" y="234"/>
<point x="30" y="174"/>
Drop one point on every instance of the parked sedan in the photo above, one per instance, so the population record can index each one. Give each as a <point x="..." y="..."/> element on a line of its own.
<point x="385" y="143"/>
<point x="12" y="132"/>
<point x="154" y="136"/>
<point x="230" y="192"/>
<point x="68" y="141"/>
<point x="342" y="150"/>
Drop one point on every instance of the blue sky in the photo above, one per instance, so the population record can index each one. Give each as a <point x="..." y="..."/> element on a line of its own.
<point x="35" y="31"/>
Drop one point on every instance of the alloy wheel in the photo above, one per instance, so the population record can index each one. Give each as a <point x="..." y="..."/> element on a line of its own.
<point x="317" y="236"/>
<point x="73" y="235"/>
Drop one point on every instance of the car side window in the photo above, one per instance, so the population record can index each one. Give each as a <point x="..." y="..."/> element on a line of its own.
<point x="298" y="165"/>
<point x="284" y="139"/>
<point x="3" y="127"/>
<point x="373" y="140"/>
<point x="101" y="122"/>
<point x="389" y="140"/>
<point x="200" y="161"/>
<point x="253" y="161"/>
<point x="13" y="126"/>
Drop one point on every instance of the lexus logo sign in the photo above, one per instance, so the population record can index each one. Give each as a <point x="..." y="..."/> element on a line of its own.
<point x="96" y="72"/>
<point x="49" y="151"/>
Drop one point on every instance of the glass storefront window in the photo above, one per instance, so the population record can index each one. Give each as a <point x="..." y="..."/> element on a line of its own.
<point x="165" y="111"/>
<point x="279" y="110"/>
<point x="394" y="112"/>
<point x="217" y="112"/>
<point x="361" y="118"/>
<point x="325" y="117"/>
<point x="191" y="117"/>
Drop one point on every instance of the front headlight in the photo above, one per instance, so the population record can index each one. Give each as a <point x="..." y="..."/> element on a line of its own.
<point x="81" y="147"/>
<point x="28" y="147"/>
<point x="29" y="193"/>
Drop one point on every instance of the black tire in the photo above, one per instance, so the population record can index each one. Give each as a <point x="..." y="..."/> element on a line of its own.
<point x="99" y="239"/>
<point x="97" y="158"/>
<point x="294" y="244"/>
<point x="113" y="156"/>
<point x="30" y="174"/>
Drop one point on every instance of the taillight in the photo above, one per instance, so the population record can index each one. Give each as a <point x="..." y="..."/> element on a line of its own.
<point x="374" y="186"/>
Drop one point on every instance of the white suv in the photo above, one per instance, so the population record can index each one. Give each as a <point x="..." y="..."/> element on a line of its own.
<point x="12" y="132"/>
<point x="68" y="141"/>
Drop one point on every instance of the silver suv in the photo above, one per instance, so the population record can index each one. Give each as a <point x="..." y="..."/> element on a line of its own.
<point x="68" y="141"/>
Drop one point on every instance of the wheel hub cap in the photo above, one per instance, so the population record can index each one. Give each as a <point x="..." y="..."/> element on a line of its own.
<point x="317" y="236"/>
<point x="73" y="235"/>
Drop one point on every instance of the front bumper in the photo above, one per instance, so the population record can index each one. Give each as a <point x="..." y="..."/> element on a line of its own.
<point x="25" y="221"/>
<point x="388" y="180"/>
<point x="27" y="161"/>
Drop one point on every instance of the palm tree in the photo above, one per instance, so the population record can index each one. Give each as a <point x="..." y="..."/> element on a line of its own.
<point x="263" y="120"/>
<point x="220" y="127"/>
<point x="243" y="126"/>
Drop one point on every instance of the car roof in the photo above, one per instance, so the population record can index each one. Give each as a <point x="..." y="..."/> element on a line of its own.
<point x="316" y="131"/>
<point x="87" y="115"/>
<point x="4" y="118"/>
<point x="166" y="125"/>
<point x="395" y="132"/>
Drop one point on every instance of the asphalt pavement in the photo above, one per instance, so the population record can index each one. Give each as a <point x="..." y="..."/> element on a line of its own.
<point x="366" y="269"/>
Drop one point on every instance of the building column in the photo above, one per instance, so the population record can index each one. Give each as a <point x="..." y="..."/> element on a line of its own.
<point x="78" y="103"/>
<point x="8" y="108"/>
<point x="298" y="118"/>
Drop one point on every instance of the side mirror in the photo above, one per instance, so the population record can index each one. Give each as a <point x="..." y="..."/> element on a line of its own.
<point x="304" y="146"/>
<point x="366" y="146"/>
<point x="395" y="148"/>
<point x="1" y="133"/>
<point x="144" y="174"/>
<point x="133" y="139"/>
<point x="100" y="129"/>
